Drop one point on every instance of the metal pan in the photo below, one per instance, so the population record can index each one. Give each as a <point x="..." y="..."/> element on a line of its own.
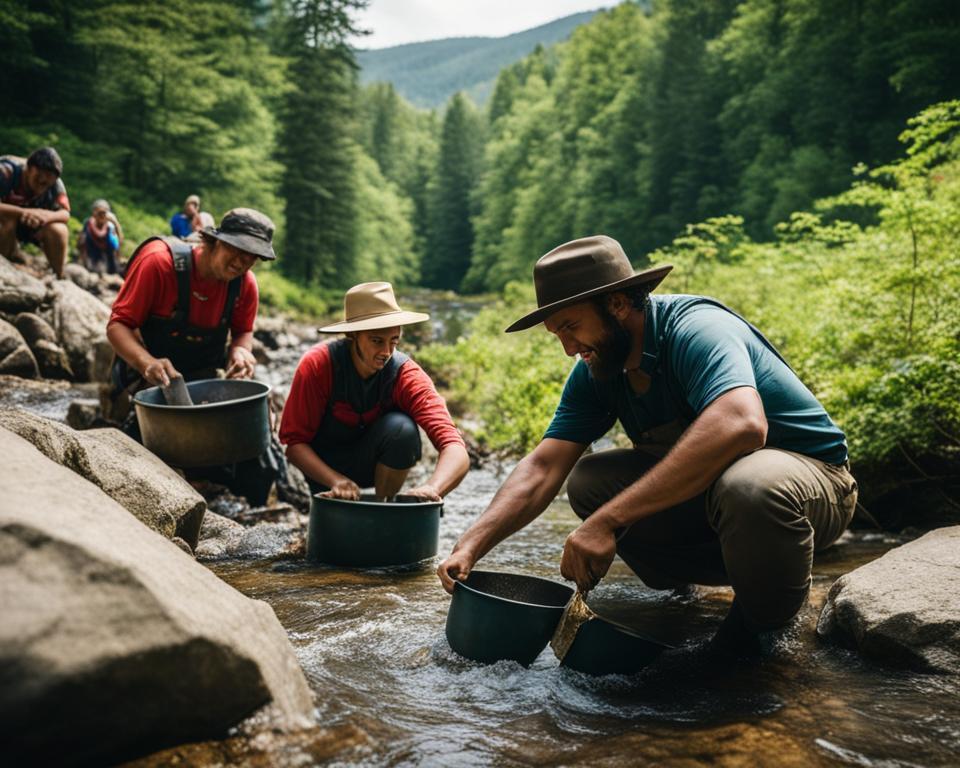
<point x="369" y="533"/>
<point x="496" y="616"/>
<point x="228" y="422"/>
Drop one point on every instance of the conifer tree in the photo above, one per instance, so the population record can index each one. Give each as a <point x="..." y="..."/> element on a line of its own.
<point x="316" y="146"/>
<point x="450" y="232"/>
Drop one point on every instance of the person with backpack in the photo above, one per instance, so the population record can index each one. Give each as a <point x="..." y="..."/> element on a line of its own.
<point x="736" y="476"/>
<point x="34" y="207"/>
<point x="188" y="309"/>
<point x="351" y="418"/>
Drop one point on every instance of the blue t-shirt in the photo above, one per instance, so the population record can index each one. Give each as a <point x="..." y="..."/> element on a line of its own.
<point x="696" y="350"/>
<point x="180" y="225"/>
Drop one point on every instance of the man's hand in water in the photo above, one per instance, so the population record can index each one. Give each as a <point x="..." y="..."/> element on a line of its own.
<point x="344" y="488"/>
<point x="240" y="363"/>
<point x="455" y="568"/>
<point x="159" y="371"/>
<point x="587" y="553"/>
<point x="425" y="492"/>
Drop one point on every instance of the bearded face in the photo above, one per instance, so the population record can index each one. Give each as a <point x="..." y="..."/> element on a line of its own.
<point x="610" y="350"/>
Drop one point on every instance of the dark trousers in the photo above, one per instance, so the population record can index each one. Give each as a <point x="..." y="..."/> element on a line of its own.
<point x="392" y="440"/>
<point x="755" y="528"/>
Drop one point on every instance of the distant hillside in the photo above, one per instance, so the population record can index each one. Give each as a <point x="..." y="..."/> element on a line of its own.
<point x="427" y="74"/>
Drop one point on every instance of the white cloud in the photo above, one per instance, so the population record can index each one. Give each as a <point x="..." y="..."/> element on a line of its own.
<point x="394" y="22"/>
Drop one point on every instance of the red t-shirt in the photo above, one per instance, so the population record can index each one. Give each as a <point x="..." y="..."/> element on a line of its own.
<point x="413" y="393"/>
<point x="150" y="288"/>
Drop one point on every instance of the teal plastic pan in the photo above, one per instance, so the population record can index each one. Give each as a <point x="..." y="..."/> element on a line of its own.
<point x="602" y="647"/>
<point x="370" y="533"/>
<point x="495" y="616"/>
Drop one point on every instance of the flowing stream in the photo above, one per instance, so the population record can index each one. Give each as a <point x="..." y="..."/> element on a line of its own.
<point x="373" y="647"/>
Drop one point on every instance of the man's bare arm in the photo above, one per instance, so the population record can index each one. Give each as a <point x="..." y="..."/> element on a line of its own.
<point x="528" y="490"/>
<point x="126" y="343"/>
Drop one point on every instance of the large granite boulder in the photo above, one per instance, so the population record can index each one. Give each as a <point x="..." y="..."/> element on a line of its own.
<point x="80" y="321"/>
<point x="114" y="643"/>
<point x="903" y="608"/>
<point x="19" y="291"/>
<point x="16" y="359"/>
<point x="42" y="340"/>
<point x="121" y="467"/>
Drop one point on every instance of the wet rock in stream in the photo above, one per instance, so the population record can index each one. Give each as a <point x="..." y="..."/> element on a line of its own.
<point x="902" y="608"/>
<point x="125" y="470"/>
<point x="114" y="643"/>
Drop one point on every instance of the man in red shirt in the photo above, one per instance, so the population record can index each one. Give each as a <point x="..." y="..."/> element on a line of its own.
<point x="180" y="300"/>
<point x="351" y="417"/>
<point x="178" y="305"/>
<point x="34" y="207"/>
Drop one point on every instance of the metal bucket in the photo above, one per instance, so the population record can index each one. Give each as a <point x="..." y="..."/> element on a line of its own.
<point x="370" y="533"/>
<point x="602" y="647"/>
<point x="496" y="616"/>
<point x="229" y="422"/>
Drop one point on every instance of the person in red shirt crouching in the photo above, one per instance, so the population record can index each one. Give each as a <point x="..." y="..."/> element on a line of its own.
<point x="179" y="304"/>
<point x="350" y="420"/>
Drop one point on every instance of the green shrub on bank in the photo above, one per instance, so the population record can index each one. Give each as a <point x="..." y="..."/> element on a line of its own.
<point x="509" y="382"/>
<point x="280" y="295"/>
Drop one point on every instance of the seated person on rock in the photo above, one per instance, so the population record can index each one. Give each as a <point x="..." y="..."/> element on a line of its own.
<point x="183" y="223"/>
<point x="351" y="417"/>
<point x="100" y="239"/>
<point x="177" y="307"/>
<point x="34" y="207"/>
<point x="736" y="476"/>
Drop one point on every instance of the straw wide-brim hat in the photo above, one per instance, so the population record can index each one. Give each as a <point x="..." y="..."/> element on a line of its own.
<point x="578" y="270"/>
<point x="369" y="306"/>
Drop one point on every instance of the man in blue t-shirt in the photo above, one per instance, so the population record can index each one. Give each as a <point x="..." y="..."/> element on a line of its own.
<point x="736" y="475"/>
<point x="182" y="223"/>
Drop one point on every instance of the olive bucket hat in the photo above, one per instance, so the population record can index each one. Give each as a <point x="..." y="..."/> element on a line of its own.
<point x="578" y="270"/>
<point x="369" y="306"/>
<point x="246" y="229"/>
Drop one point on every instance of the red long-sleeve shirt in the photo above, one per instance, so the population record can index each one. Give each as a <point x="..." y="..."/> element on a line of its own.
<point x="413" y="393"/>
<point x="150" y="288"/>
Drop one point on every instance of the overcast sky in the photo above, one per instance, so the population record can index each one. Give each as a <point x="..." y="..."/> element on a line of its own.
<point x="394" y="22"/>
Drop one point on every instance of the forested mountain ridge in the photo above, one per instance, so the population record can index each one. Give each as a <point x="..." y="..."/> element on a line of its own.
<point x="427" y="74"/>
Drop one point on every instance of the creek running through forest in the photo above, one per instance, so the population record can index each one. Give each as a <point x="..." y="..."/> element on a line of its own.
<point x="390" y="691"/>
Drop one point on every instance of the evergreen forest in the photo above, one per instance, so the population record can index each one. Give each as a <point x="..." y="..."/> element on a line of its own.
<point x="798" y="159"/>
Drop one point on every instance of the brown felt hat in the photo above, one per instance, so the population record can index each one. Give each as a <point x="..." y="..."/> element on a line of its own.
<point x="575" y="271"/>
<point x="369" y="306"/>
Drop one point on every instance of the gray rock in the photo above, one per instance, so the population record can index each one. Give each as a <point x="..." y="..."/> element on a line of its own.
<point x="124" y="469"/>
<point x="903" y="608"/>
<point x="225" y="539"/>
<point x="19" y="291"/>
<point x="80" y="321"/>
<point x="114" y="643"/>
<point x="83" y="413"/>
<point x="79" y="275"/>
<point x="16" y="359"/>
<point x="33" y="328"/>
<point x="42" y="340"/>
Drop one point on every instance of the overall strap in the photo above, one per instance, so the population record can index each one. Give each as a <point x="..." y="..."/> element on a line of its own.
<point x="182" y="254"/>
<point x="233" y="293"/>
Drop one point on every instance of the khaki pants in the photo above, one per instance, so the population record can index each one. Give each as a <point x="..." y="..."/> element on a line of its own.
<point x="755" y="528"/>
